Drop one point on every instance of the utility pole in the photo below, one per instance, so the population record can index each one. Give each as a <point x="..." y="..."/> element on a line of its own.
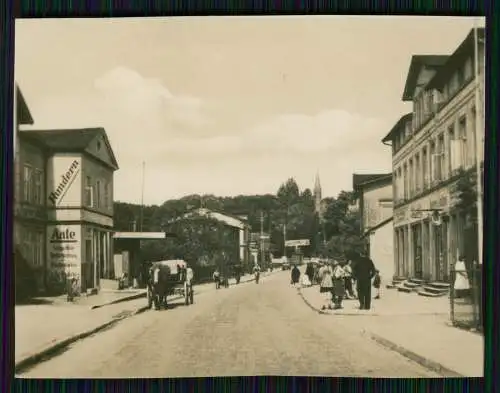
<point x="262" y="238"/>
<point x="284" y="240"/>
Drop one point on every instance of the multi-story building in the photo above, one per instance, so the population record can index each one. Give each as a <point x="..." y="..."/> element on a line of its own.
<point x="374" y="195"/>
<point x="64" y="204"/>
<point x="431" y="148"/>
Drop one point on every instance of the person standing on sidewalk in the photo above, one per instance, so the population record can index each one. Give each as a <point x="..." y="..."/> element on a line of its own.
<point x="348" y="281"/>
<point x="338" y="285"/>
<point x="326" y="285"/>
<point x="376" y="284"/>
<point x="364" y="271"/>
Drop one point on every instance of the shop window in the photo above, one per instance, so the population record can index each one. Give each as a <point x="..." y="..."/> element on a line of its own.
<point x="27" y="183"/>
<point x="38" y="245"/>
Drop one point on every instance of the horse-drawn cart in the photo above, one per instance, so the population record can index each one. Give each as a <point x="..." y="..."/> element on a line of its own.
<point x="167" y="278"/>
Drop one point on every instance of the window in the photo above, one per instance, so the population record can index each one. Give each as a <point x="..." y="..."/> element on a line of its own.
<point x="462" y="135"/>
<point x="453" y="87"/>
<point x="89" y="192"/>
<point x="405" y="181"/>
<point x="424" y="168"/>
<point x="38" y="248"/>
<point x="434" y="163"/>
<point x="28" y="246"/>
<point x="107" y="201"/>
<point x="37" y="191"/>
<point x="451" y="139"/>
<point x="399" y="186"/>
<point x="441" y="158"/>
<point x="418" y="173"/>
<point x="460" y="77"/>
<point x="27" y="183"/>
<point x="410" y="177"/>
<point x="98" y="194"/>
<point x="468" y="71"/>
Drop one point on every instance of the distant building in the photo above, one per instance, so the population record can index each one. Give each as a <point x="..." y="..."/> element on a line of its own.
<point x="430" y="147"/>
<point x="374" y="193"/>
<point x="63" y="204"/>
<point x="238" y="224"/>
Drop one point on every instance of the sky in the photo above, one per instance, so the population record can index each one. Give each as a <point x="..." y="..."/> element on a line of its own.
<point x="229" y="105"/>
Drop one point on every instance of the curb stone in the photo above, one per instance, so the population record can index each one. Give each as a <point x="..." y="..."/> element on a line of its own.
<point x="33" y="359"/>
<point x="51" y="350"/>
<point x="427" y="363"/>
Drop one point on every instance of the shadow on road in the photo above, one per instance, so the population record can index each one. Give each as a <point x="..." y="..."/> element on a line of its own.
<point x="33" y="302"/>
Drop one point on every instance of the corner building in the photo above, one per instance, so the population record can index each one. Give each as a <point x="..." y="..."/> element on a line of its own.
<point x="431" y="147"/>
<point x="68" y="183"/>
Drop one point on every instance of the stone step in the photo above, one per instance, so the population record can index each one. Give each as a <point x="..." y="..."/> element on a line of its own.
<point x="404" y="289"/>
<point x="430" y="294"/>
<point x="438" y="284"/>
<point x="411" y="285"/>
<point x="432" y="289"/>
<point x="391" y="286"/>
<point x="416" y="281"/>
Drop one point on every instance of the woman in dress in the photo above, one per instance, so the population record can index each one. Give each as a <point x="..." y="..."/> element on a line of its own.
<point x="326" y="285"/>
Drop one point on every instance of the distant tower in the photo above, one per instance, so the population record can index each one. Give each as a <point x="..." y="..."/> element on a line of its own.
<point x="317" y="197"/>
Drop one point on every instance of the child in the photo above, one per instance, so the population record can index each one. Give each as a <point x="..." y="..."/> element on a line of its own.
<point x="376" y="284"/>
<point x="338" y="285"/>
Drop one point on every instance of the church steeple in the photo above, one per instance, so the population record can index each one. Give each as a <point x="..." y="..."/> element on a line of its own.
<point x="317" y="195"/>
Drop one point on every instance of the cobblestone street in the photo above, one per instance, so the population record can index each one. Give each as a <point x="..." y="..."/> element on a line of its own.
<point x="250" y="329"/>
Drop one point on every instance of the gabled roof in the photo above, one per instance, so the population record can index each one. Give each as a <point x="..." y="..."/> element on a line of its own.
<point x="400" y="123"/>
<point x="465" y="49"/>
<point x="416" y="64"/>
<point x="23" y="112"/>
<point x="70" y="140"/>
<point x="358" y="181"/>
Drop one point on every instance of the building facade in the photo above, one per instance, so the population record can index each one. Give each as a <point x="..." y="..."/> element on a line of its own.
<point x="64" y="205"/>
<point x="375" y="196"/>
<point x="432" y="147"/>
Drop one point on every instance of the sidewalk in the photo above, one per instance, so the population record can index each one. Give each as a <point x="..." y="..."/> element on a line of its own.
<point x="415" y="326"/>
<point x="52" y="324"/>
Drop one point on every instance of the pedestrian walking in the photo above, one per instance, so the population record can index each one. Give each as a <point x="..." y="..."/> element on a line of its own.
<point x="364" y="271"/>
<point x="326" y="285"/>
<point x="216" y="277"/>
<point x="338" y="285"/>
<point x="295" y="275"/>
<point x="348" y="281"/>
<point x="310" y="271"/>
<point x="376" y="284"/>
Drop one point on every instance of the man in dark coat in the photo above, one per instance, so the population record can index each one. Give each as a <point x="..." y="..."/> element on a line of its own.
<point x="310" y="272"/>
<point x="295" y="275"/>
<point x="363" y="270"/>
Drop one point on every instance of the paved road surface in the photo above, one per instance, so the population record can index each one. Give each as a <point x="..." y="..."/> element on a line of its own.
<point x="250" y="329"/>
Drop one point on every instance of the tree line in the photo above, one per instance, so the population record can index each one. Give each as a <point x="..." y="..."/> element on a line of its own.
<point x="289" y="208"/>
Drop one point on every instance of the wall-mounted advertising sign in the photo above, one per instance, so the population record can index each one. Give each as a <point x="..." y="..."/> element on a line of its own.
<point x="63" y="181"/>
<point x="64" y="248"/>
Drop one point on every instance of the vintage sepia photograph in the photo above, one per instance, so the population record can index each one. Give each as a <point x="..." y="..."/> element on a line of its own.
<point x="249" y="196"/>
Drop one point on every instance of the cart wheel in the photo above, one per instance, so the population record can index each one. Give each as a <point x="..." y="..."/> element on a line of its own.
<point x="150" y="299"/>
<point x="186" y="294"/>
<point x="191" y="295"/>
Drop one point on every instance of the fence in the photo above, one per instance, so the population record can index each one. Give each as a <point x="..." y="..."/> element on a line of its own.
<point x="466" y="305"/>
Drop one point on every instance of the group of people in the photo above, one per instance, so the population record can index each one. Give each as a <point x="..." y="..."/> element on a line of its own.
<point x="337" y="280"/>
<point x="223" y="279"/>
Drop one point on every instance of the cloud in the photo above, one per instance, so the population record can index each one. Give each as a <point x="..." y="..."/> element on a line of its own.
<point x="189" y="149"/>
